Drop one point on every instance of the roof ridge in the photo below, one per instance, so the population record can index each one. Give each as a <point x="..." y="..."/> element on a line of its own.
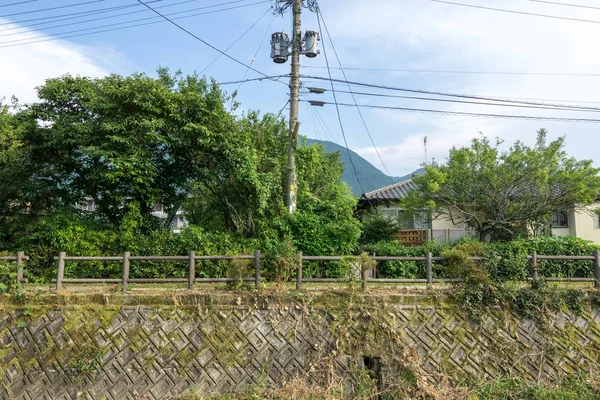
<point x="386" y="187"/>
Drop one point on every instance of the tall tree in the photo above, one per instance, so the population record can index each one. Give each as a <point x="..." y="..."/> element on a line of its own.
<point x="498" y="192"/>
<point x="121" y="140"/>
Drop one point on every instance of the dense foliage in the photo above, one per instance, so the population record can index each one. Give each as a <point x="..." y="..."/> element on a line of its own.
<point x="506" y="194"/>
<point x="502" y="261"/>
<point x="129" y="143"/>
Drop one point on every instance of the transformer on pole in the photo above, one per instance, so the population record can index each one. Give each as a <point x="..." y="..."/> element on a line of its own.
<point x="281" y="49"/>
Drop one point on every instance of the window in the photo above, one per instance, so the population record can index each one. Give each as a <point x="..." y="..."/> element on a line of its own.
<point x="90" y="205"/>
<point x="416" y="220"/>
<point x="389" y="213"/>
<point x="560" y="219"/>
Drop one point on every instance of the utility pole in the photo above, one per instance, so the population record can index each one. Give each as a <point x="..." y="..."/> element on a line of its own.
<point x="280" y="52"/>
<point x="294" y="102"/>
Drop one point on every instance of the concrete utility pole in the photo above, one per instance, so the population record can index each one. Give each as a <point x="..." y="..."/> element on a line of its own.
<point x="294" y="100"/>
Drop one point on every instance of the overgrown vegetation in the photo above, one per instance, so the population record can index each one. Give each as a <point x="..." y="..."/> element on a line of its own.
<point x="129" y="143"/>
<point x="578" y="387"/>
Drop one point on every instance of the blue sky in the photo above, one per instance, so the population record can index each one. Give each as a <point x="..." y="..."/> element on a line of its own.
<point x="392" y="34"/>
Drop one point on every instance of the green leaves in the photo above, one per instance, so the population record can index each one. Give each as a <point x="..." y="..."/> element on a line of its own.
<point x="502" y="194"/>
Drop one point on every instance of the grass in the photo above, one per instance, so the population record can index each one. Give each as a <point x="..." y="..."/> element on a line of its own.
<point x="575" y="388"/>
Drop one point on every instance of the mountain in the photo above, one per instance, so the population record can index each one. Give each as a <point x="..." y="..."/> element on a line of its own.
<point x="370" y="177"/>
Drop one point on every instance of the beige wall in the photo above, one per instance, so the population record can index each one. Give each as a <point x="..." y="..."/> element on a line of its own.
<point x="584" y="224"/>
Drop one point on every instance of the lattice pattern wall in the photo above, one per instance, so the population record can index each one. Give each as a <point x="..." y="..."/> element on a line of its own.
<point x="154" y="352"/>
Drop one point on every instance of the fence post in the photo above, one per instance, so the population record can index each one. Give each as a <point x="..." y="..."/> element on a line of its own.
<point x="597" y="269"/>
<point x="429" y="269"/>
<point x="257" y="269"/>
<point x="61" y="269"/>
<point x="534" y="272"/>
<point x="365" y="279"/>
<point x="20" y="256"/>
<point x="191" y="269"/>
<point x="374" y="272"/>
<point x="299" y="273"/>
<point x="125" y="270"/>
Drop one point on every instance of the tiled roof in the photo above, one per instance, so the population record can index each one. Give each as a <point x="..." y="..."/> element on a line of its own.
<point x="396" y="191"/>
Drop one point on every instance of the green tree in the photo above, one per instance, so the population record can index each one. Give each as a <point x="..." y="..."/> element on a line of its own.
<point x="498" y="193"/>
<point x="129" y="142"/>
<point x="126" y="140"/>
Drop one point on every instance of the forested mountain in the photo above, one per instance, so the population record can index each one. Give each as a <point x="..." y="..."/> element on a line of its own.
<point x="370" y="177"/>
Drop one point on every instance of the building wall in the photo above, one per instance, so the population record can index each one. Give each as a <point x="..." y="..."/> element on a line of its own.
<point x="584" y="224"/>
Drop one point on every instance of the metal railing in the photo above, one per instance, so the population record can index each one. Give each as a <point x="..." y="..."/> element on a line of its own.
<point x="364" y="276"/>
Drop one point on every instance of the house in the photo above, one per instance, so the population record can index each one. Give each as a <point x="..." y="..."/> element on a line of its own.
<point x="420" y="226"/>
<point x="584" y="224"/>
<point x="415" y="227"/>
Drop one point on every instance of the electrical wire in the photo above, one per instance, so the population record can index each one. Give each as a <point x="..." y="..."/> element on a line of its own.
<point x="466" y="96"/>
<point x="17" y="3"/>
<point x="262" y="78"/>
<point x="235" y="42"/>
<point x="340" y="119"/>
<point x="564" y="4"/>
<point x="73" y="15"/>
<point x="466" y="102"/>
<point x="51" y="8"/>
<point x="26" y="28"/>
<point x="48" y="39"/>
<point x="433" y="71"/>
<point x="524" y="117"/>
<point x="321" y="19"/>
<point x="202" y="40"/>
<point x="516" y="12"/>
<point x="139" y="19"/>
<point x="252" y="61"/>
<point x="320" y="120"/>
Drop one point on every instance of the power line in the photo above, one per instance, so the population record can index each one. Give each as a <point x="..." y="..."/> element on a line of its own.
<point x="564" y="4"/>
<point x="434" y="71"/>
<point x="466" y="96"/>
<point x="138" y="20"/>
<point x="48" y="39"/>
<point x="319" y="120"/>
<point x="51" y="8"/>
<point x="17" y="3"/>
<point x="466" y="102"/>
<point x="338" y="112"/>
<point x="262" y="78"/>
<point x="202" y="40"/>
<point x="516" y="12"/>
<point x="509" y="116"/>
<point x="235" y="42"/>
<point x="319" y="19"/>
<point x="26" y="27"/>
<point x="252" y="61"/>
<point x="82" y="13"/>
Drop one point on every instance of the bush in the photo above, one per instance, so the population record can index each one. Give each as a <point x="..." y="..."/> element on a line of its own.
<point x="514" y="264"/>
<point x="404" y="269"/>
<point x="377" y="229"/>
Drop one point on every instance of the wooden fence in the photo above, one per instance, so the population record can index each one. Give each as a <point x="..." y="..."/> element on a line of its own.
<point x="365" y="277"/>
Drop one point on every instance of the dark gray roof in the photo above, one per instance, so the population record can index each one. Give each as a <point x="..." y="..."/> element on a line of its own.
<point x="396" y="191"/>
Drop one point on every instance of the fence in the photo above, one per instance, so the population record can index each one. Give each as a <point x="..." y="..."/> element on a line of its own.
<point x="365" y="277"/>
<point x="417" y="237"/>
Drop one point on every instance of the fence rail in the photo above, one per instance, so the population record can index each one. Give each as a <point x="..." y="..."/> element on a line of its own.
<point x="364" y="276"/>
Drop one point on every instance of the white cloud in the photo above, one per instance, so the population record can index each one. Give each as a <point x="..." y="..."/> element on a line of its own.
<point x="22" y="68"/>
<point x="414" y="34"/>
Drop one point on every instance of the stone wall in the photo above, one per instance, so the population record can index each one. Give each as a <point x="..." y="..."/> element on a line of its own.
<point x="157" y="347"/>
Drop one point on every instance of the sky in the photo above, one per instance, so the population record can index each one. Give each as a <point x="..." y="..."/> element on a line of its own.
<point x="430" y="46"/>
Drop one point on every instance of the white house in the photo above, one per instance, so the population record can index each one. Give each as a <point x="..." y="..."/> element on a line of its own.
<point x="584" y="224"/>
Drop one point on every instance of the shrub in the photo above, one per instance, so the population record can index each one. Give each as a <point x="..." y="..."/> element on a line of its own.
<point x="404" y="269"/>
